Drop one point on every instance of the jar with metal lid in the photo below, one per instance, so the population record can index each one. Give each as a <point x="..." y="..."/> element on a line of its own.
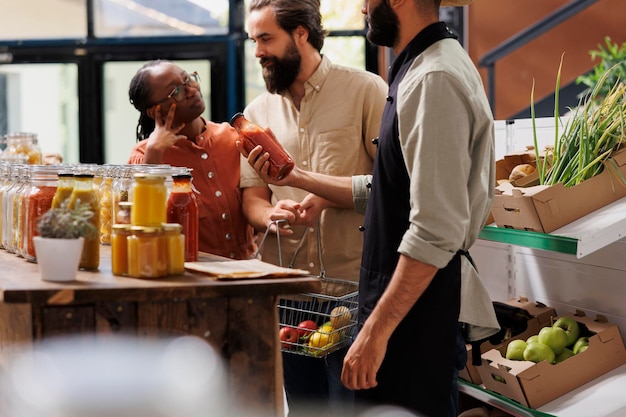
<point x="174" y="241"/>
<point x="149" y="197"/>
<point x="124" y="209"/>
<point x="182" y="208"/>
<point x="84" y="193"/>
<point x="24" y="143"/>
<point x="121" y="186"/>
<point x="38" y="199"/>
<point x="146" y="257"/>
<point x="119" y="249"/>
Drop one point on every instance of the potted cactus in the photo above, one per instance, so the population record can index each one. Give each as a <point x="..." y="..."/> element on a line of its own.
<point x="62" y="231"/>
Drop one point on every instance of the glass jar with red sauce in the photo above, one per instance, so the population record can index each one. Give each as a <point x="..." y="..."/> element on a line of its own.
<point x="252" y="135"/>
<point x="38" y="200"/>
<point x="182" y="208"/>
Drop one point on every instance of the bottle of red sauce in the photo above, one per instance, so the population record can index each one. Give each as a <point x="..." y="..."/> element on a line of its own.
<point x="182" y="208"/>
<point x="252" y="135"/>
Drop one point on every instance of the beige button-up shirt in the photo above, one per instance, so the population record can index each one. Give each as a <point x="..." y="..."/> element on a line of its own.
<point x="332" y="133"/>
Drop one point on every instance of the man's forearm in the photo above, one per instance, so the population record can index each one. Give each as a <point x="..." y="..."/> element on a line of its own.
<point x="337" y="190"/>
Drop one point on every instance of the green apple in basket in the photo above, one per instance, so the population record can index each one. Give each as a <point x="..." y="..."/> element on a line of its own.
<point x="537" y="352"/>
<point x="554" y="337"/>
<point x="515" y="350"/>
<point x="571" y="327"/>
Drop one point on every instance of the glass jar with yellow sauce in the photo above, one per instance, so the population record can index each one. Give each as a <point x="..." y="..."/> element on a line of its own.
<point x="64" y="188"/>
<point x="174" y="241"/>
<point x="84" y="192"/>
<point x="146" y="253"/>
<point x="119" y="249"/>
<point x="149" y="197"/>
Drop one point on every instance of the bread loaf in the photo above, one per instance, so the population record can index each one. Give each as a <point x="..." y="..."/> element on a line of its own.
<point x="520" y="171"/>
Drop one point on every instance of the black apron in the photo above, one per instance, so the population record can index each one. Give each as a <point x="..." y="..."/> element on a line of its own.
<point x="417" y="372"/>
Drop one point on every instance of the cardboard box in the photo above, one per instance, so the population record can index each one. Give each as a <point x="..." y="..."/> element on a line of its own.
<point x="541" y="316"/>
<point x="545" y="208"/>
<point x="535" y="384"/>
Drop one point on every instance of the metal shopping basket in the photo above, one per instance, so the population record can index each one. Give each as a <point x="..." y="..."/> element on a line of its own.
<point x="316" y="324"/>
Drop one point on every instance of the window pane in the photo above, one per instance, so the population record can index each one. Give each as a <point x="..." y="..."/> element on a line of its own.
<point x="343" y="15"/>
<point x="337" y="14"/>
<point x="120" y="117"/>
<point x="114" y="18"/>
<point x="37" y="19"/>
<point x="43" y="99"/>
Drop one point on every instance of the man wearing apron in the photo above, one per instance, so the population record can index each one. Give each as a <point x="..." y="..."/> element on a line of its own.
<point x="431" y="192"/>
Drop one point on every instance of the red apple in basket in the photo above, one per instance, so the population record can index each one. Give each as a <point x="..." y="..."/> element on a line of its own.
<point x="306" y="327"/>
<point x="288" y="335"/>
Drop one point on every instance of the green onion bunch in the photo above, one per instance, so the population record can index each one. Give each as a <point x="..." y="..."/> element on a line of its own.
<point x="595" y="130"/>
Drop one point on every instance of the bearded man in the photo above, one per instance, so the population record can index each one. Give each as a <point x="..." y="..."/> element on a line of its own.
<point x="325" y="116"/>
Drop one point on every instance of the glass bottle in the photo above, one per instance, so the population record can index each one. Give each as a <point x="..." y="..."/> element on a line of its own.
<point x="8" y="208"/>
<point x="252" y="135"/>
<point x="19" y="214"/>
<point x="43" y="185"/>
<point x="5" y="183"/>
<point x="64" y="188"/>
<point x="148" y="195"/>
<point x="182" y="208"/>
<point x="119" y="249"/>
<point x="174" y="242"/>
<point x="14" y="181"/>
<point x="82" y="193"/>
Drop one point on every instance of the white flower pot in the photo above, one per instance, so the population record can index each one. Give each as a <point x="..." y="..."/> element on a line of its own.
<point x="58" y="259"/>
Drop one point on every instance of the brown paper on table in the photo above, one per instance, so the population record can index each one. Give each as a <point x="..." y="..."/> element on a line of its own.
<point x="242" y="269"/>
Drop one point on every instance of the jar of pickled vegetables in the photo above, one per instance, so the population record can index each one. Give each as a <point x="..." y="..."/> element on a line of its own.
<point x="146" y="253"/>
<point x="119" y="248"/>
<point x="38" y="200"/>
<point x="149" y="197"/>
<point x="24" y="143"/>
<point x="106" y="205"/>
<point x="174" y="242"/>
<point x="84" y="193"/>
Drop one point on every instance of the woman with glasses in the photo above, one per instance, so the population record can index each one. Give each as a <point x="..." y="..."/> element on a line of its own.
<point x="171" y="130"/>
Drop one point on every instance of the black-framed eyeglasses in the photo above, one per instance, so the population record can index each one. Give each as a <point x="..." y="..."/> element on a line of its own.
<point x="178" y="93"/>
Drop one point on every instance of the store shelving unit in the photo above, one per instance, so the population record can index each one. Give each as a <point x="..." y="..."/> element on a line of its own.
<point x="581" y="237"/>
<point x="604" y="395"/>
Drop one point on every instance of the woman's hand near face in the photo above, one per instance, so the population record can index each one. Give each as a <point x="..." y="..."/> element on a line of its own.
<point x="163" y="136"/>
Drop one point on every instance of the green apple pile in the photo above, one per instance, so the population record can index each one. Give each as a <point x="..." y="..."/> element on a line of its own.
<point x="553" y="344"/>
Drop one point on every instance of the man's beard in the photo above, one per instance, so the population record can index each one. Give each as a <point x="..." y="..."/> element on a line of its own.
<point x="384" y="27"/>
<point x="283" y="71"/>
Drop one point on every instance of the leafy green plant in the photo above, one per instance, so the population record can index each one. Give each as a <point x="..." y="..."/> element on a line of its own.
<point x="612" y="60"/>
<point x="67" y="223"/>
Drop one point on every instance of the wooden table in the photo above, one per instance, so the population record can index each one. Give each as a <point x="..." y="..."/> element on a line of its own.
<point x="238" y="317"/>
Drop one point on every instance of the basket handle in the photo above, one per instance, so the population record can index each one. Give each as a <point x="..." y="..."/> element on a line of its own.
<point x="300" y="244"/>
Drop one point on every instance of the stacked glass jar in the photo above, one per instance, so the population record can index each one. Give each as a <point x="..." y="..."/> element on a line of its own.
<point x="148" y="247"/>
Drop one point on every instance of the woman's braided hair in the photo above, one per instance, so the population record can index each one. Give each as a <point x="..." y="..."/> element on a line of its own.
<point x="139" y="96"/>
